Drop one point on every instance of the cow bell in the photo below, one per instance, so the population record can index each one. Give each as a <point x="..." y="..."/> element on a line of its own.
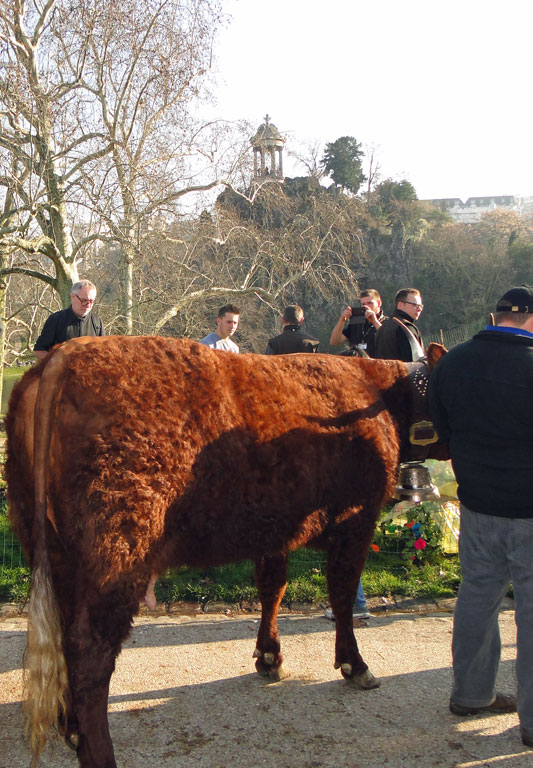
<point x="414" y="483"/>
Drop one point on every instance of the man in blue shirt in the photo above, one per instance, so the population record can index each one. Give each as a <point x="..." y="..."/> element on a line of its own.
<point x="227" y="324"/>
<point x="481" y="402"/>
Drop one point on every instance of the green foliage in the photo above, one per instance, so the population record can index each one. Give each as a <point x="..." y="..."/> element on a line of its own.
<point x="521" y="255"/>
<point x="390" y="193"/>
<point x="14" y="584"/>
<point x="306" y="589"/>
<point x="440" y="578"/>
<point x="342" y="162"/>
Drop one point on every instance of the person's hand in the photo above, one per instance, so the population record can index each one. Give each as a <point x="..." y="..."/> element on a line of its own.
<point x="346" y="315"/>
<point x="372" y="318"/>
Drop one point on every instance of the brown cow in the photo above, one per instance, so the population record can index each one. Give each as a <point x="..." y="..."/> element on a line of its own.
<point x="151" y="453"/>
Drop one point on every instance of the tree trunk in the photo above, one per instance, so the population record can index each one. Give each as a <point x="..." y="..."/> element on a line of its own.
<point x="397" y="255"/>
<point x="2" y="333"/>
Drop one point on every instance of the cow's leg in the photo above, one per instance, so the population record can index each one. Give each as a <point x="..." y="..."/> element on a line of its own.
<point x="271" y="580"/>
<point x="346" y="559"/>
<point x="92" y="643"/>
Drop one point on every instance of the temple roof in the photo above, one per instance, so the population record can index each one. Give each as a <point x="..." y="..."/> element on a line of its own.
<point x="267" y="133"/>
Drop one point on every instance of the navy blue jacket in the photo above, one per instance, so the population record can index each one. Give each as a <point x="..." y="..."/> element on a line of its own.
<point x="481" y="402"/>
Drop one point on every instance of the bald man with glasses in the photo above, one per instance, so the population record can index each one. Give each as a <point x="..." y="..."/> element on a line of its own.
<point x="73" y="322"/>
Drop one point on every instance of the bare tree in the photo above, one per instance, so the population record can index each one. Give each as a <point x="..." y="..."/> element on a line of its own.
<point x="96" y="129"/>
<point x="279" y="249"/>
<point x="309" y="156"/>
<point x="35" y="216"/>
<point x="374" y="170"/>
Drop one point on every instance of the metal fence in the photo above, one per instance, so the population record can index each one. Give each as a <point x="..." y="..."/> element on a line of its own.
<point x="457" y="335"/>
<point x="11" y="554"/>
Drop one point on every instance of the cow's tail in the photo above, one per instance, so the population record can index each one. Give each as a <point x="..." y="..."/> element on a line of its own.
<point x="45" y="668"/>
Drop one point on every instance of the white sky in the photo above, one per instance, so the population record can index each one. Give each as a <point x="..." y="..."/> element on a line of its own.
<point x="442" y="89"/>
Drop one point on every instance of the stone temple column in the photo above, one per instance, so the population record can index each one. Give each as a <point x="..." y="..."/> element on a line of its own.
<point x="267" y="144"/>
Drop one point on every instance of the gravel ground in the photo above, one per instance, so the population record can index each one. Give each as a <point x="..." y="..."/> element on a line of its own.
<point x="185" y="695"/>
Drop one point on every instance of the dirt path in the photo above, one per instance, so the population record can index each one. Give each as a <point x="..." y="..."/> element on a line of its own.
<point x="184" y="695"/>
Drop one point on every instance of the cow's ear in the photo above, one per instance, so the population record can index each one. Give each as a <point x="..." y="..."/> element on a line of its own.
<point x="434" y="353"/>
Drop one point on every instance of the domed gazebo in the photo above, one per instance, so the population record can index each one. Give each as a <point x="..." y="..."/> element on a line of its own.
<point x="266" y="143"/>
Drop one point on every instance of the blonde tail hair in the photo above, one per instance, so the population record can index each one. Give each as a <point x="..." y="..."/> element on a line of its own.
<point x="45" y="668"/>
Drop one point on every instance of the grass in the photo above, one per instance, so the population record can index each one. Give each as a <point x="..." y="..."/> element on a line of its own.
<point x="11" y="376"/>
<point x="307" y="580"/>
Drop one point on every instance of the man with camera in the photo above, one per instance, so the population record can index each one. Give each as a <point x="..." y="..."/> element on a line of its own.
<point x="363" y="323"/>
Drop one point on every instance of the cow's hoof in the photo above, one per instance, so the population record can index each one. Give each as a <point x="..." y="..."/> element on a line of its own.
<point x="266" y="666"/>
<point x="364" y="680"/>
<point x="273" y="674"/>
<point x="72" y="740"/>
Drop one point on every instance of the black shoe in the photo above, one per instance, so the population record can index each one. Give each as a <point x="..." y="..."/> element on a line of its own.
<point x="527" y="741"/>
<point x="502" y="703"/>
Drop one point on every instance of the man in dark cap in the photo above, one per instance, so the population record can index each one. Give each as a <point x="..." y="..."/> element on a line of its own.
<point x="293" y="339"/>
<point x="481" y="402"/>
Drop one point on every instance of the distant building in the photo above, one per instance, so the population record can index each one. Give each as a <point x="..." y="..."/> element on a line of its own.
<point x="267" y="145"/>
<point x="476" y="207"/>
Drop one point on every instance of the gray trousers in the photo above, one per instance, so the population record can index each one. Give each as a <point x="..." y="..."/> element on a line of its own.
<point x="493" y="551"/>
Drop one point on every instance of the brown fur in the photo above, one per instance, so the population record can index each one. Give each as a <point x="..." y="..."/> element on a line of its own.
<point x="152" y="453"/>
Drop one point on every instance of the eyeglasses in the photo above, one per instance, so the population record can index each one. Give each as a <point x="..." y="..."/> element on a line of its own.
<point x="414" y="304"/>
<point x="84" y="302"/>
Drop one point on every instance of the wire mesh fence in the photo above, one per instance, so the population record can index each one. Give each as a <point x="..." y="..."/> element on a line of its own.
<point x="397" y="532"/>
<point x="383" y="553"/>
<point x="452" y="336"/>
<point x="11" y="554"/>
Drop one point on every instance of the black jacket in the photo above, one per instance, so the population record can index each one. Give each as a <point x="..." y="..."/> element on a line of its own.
<point x="481" y="402"/>
<point x="364" y="334"/>
<point x="393" y="342"/>
<point x="292" y="340"/>
<point x="64" y="325"/>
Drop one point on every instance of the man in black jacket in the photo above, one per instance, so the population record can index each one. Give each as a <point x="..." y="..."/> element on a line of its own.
<point x="399" y="337"/>
<point x="293" y="339"/>
<point x="77" y="320"/>
<point x="481" y="402"/>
